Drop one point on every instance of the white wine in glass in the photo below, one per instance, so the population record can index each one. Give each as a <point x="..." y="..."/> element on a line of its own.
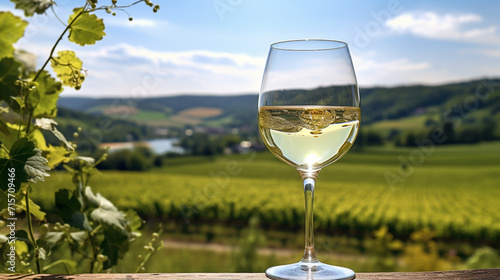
<point x="309" y="117"/>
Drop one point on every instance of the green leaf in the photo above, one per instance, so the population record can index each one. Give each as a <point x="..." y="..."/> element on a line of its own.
<point x="8" y="138"/>
<point x="20" y="202"/>
<point x="14" y="132"/>
<point x="69" y="69"/>
<point x="56" y="155"/>
<point x="37" y="137"/>
<point x="43" y="101"/>
<point x="3" y="239"/>
<point x="19" y="153"/>
<point x="22" y="235"/>
<point x="69" y="207"/>
<point x="32" y="6"/>
<point x="21" y="247"/>
<point x="79" y="236"/>
<point x="11" y="31"/>
<point x="18" y="101"/>
<point x="50" y="125"/>
<point x="43" y="248"/>
<point x="27" y="162"/>
<point x="134" y="222"/>
<point x="53" y="237"/>
<point x="105" y="212"/>
<point x="36" y="167"/>
<point x="35" y="210"/>
<point x="10" y="71"/>
<point x="86" y="28"/>
<point x="114" y="246"/>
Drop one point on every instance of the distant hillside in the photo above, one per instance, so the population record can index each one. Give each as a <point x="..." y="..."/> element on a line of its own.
<point x="383" y="108"/>
<point x="174" y="111"/>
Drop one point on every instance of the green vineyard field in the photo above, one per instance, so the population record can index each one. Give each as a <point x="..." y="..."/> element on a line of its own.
<point x="453" y="190"/>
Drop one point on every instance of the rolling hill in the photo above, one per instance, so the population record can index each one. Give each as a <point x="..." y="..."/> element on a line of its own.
<point x="173" y="111"/>
<point x="383" y="108"/>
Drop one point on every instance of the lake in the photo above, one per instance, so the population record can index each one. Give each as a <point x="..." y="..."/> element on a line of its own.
<point x="168" y="145"/>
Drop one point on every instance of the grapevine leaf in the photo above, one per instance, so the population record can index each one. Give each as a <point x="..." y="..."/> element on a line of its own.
<point x="15" y="131"/>
<point x="79" y="236"/>
<point x="45" y="123"/>
<point x="8" y="137"/>
<point x="43" y="248"/>
<point x="114" y="246"/>
<point x="105" y="212"/>
<point x="69" y="69"/>
<point x="50" y="125"/>
<point x="86" y="29"/>
<point x="116" y="236"/>
<point x="22" y="235"/>
<point x="134" y="222"/>
<point x="31" y="7"/>
<point x="22" y="246"/>
<point x="56" y="155"/>
<point x="43" y="101"/>
<point x="20" y="152"/>
<point x="36" y="167"/>
<point x="10" y="71"/>
<point x="35" y="209"/>
<point x="27" y="162"/>
<point x="19" y="101"/>
<point x="12" y="29"/>
<point x="53" y="237"/>
<point x="69" y="206"/>
<point x="37" y="137"/>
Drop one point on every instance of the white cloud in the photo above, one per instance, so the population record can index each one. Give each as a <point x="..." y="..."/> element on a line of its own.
<point x="444" y="27"/>
<point x="371" y="71"/>
<point x="397" y="65"/>
<point x="216" y="62"/>
<point x="151" y="72"/>
<point x="490" y="53"/>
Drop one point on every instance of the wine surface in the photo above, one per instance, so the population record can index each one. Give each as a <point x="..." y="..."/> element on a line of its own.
<point x="309" y="137"/>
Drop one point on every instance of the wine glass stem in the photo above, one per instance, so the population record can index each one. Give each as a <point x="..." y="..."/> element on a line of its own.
<point x="309" y="253"/>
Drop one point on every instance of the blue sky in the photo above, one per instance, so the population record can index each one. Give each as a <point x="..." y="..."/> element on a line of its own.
<point x="220" y="46"/>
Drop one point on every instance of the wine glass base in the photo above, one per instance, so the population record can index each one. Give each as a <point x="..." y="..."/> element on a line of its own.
<point x="309" y="271"/>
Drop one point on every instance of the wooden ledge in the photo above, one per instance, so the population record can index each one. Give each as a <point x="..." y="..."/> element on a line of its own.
<point x="477" y="274"/>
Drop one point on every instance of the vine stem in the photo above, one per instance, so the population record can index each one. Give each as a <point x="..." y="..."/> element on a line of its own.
<point x="94" y="251"/>
<point x="66" y="30"/>
<point x="58" y="41"/>
<point x="30" y="229"/>
<point x="30" y="117"/>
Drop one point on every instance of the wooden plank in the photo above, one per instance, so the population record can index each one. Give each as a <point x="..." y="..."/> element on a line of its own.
<point x="478" y="274"/>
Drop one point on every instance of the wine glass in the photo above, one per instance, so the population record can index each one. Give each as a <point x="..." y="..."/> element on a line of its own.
<point x="309" y="117"/>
